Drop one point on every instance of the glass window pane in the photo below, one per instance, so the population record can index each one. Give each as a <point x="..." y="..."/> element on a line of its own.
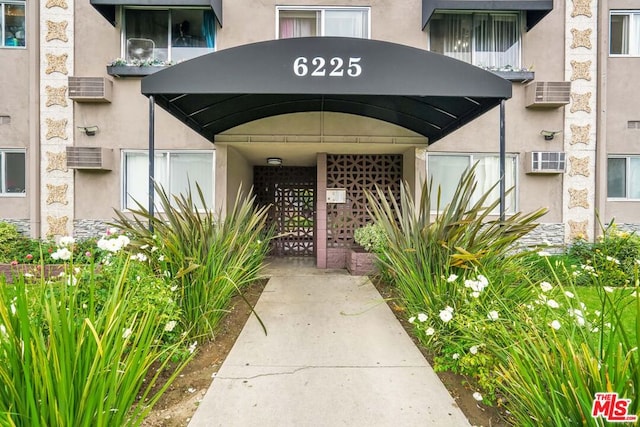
<point x="146" y="33"/>
<point x="345" y="23"/>
<point x="488" y="174"/>
<point x="496" y="40"/>
<point x="136" y="178"/>
<point x="446" y="172"/>
<point x="450" y="35"/>
<point x="15" y="176"/>
<point x="634" y="178"/>
<point x="193" y="33"/>
<point x="616" y="177"/>
<point x="619" y="38"/>
<point x="298" y="23"/>
<point x="189" y="169"/>
<point x="14" y="25"/>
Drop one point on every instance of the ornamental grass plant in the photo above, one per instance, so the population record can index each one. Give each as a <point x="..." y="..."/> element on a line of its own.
<point x="208" y="259"/>
<point x="67" y="360"/>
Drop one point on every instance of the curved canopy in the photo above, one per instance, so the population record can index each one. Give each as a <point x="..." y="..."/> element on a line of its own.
<point x="422" y="91"/>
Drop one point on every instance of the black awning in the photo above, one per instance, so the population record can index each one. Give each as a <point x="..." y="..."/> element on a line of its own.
<point x="535" y="9"/>
<point x="422" y="91"/>
<point x="107" y="8"/>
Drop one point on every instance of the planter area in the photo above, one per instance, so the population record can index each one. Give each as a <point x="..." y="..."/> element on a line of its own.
<point x="361" y="262"/>
<point x="133" y="70"/>
<point x="9" y="271"/>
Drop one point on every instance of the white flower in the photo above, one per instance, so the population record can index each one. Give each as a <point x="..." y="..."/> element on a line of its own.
<point x="153" y="249"/>
<point x="546" y="286"/>
<point x="62" y="254"/>
<point x="607" y="289"/>
<point x="446" y="315"/>
<point x="475" y="294"/>
<point x="72" y="281"/>
<point x="555" y="325"/>
<point x="170" y="325"/>
<point x="449" y="309"/>
<point x="473" y="349"/>
<point x="452" y="278"/>
<point x="412" y="319"/>
<point x="580" y="320"/>
<point x="126" y="333"/>
<point x="173" y="288"/>
<point x="552" y="303"/>
<point x="595" y="329"/>
<point x="143" y="247"/>
<point x="123" y="240"/>
<point x="193" y="346"/>
<point x="455" y="356"/>
<point x="597" y="313"/>
<point x="66" y="241"/>
<point x="430" y="331"/>
<point x="613" y="260"/>
<point x="477" y="396"/>
<point x="422" y="317"/>
<point x="13" y="309"/>
<point x="493" y="315"/>
<point x="161" y="258"/>
<point x="3" y="330"/>
<point x="569" y="294"/>
<point x="139" y="256"/>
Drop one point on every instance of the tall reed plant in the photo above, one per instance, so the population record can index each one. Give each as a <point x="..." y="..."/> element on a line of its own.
<point x="208" y="258"/>
<point x="64" y="362"/>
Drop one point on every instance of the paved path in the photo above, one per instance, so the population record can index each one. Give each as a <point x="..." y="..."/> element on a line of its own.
<point x="335" y="355"/>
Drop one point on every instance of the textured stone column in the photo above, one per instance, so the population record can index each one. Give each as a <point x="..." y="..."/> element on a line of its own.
<point x="580" y="120"/>
<point x="56" y="116"/>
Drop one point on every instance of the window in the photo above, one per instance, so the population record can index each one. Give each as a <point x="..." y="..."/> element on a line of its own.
<point x="446" y="171"/>
<point x="12" y="172"/>
<point x="174" y="170"/>
<point x="12" y="24"/>
<point x="623" y="177"/>
<point x="168" y="35"/>
<point x="490" y="40"/>
<point x="624" y="38"/>
<point x="329" y="21"/>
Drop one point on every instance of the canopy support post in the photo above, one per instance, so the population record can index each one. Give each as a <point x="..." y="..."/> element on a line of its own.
<point x="502" y="161"/>
<point x="151" y="160"/>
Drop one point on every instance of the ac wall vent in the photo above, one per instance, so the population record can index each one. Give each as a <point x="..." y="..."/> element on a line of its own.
<point x="90" y="89"/>
<point x="633" y="124"/>
<point x="547" y="94"/>
<point x="545" y="162"/>
<point x="92" y="158"/>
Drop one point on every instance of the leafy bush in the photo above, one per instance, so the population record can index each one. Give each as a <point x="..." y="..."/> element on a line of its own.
<point x="206" y="259"/>
<point x="371" y="237"/>
<point x="10" y="238"/>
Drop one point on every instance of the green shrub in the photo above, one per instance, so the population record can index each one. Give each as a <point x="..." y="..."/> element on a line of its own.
<point x="10" y="238"/>
<point x="371" y="237"/>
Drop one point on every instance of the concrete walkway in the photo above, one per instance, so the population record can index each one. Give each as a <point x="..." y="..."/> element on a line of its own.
<point x="335" y="355"/>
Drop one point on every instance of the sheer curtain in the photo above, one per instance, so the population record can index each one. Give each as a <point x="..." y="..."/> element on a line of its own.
<point x="488" y="174"/>
<point x="297" y="24"/>
<point x="189" y="169"/>
<point x="457" y="37"/>
<point x="446" y="172"/>
<point x="345" y="23"/>
<point x="634" y="43"/>
<point x="137" y="177"/>
<point x="496" y="39"/>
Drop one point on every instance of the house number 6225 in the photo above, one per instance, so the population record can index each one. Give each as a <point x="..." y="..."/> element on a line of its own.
<point x="320" y="68"/>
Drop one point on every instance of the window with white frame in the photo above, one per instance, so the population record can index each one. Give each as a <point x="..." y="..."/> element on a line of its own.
<point x="164" y="35"/>
<point x="447" y="169"/>
<point x="623" y="177"/>
<point x="489" y="40"/>
<point x="326" y="21"/>
<point x="12" y="172"/>
<point x="624" y="37"/>
<point x="176" y="171"/>
<point x="12" y="23"/>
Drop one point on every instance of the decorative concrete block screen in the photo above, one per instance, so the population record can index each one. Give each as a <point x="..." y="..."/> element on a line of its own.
<point x="357" y="173"/>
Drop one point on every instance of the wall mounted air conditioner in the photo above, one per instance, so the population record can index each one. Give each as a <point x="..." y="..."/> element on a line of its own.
<point x="92" y="158"/>
<point x="545" y="162"/>
<point x="547" y="94"/>
<point x="90" y="89"/>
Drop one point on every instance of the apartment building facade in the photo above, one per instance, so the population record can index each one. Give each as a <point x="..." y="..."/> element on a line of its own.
<point x="311" y="103"/>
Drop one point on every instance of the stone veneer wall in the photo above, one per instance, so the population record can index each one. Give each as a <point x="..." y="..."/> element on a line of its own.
<point x="23" y="225"/>
<point x="85" y="228"/>
<point x="56" y="115"/>
<point x="551" y="234"/>
<point x="630" y="228"/>
<point x="580" y="121"/>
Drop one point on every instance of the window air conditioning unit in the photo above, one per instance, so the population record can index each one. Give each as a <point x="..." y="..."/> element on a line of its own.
<point x="545" y="162"/>
<point x="547" y="94"/>
<point x="91" y="158"/>
<point x="90" y="89"/>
